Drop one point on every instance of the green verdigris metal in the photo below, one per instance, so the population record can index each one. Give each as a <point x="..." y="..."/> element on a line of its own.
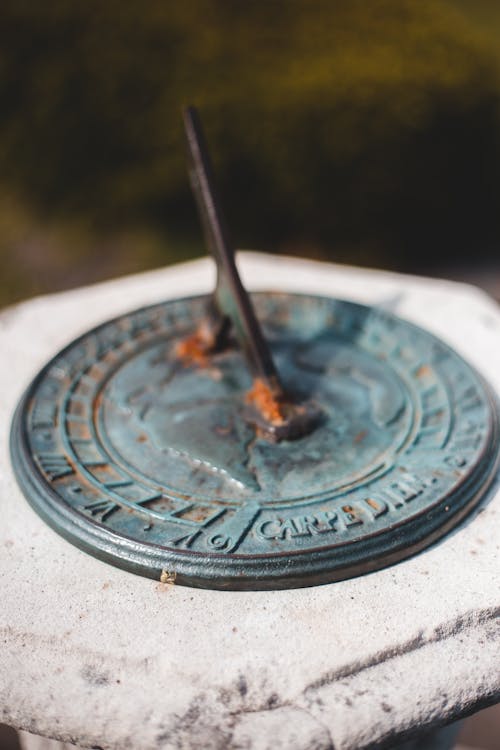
<point x="373" y="438"/>
<point x="148" y="463"/>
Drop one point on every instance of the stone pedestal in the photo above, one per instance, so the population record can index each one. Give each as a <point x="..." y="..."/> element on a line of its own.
<point x="93" y="655"/>
<point x="437" y="739"/>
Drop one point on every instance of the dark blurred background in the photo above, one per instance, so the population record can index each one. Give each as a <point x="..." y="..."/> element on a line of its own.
<point x="362" y="132"/>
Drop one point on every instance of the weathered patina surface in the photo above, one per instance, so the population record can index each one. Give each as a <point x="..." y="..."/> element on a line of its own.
<point x="148" y="461"/>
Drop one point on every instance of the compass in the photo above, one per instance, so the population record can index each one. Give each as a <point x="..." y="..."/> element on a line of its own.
<point x="237" y="441"/>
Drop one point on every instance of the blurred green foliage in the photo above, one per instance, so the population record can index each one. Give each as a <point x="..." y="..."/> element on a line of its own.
<point x="362" y="132"/>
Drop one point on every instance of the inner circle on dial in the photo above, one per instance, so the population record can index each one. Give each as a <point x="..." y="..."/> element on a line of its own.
<point x="184" y="428"/>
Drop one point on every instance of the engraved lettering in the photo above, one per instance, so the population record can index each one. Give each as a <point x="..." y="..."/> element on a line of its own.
<point x="396" y="494"/>
<point x="186" y="540"/>
<point x="349" y="516"/>
<point x="288" y="529"/>
<point x="311" y="525"/>
<point x="373" y="507"/>
<point x="297" y="526"/>
<point x="306" y="525"/>
<point x="411" y="485"/>
<point x="268" y="529"/>
<point x="219" y="542"/>
<point x="55" y="465"/>
<point x="236" y="524"/>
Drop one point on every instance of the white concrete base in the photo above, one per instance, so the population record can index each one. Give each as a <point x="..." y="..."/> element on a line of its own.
<point x="99" y="657"/>
<point x="29" y="741"/>
<point x="440" y="739"/>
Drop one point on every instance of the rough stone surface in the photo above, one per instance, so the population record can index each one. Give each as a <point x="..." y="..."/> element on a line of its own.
<point x="96" y="656"/>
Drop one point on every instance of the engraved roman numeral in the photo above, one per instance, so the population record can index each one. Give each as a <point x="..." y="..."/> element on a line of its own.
<point x="148" y="499"/>
<point x="44" y="414"/>
<point x="102" y="508"/>
<point x="470" y="399"/>
<point x="55" y="465"/>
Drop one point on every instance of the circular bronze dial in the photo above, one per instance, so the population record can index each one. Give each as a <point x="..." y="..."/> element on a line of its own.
<point x="149" y="463"/>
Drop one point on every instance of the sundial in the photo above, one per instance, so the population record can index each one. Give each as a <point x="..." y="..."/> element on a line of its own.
<point x="237" y="441"/>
